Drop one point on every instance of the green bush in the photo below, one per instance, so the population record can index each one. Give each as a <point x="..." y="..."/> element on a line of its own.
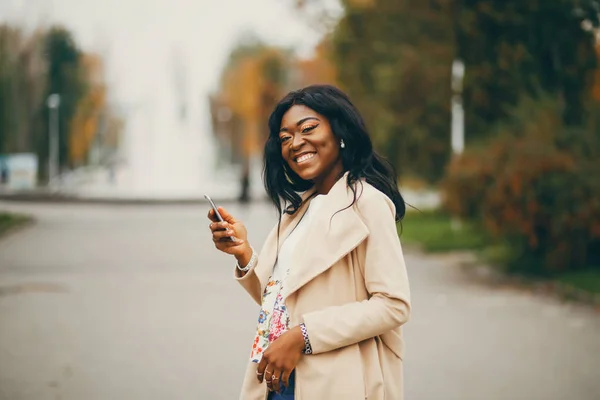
<point x="535" y="186"/>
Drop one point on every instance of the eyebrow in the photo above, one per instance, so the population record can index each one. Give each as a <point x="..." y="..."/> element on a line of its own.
<point x="303" y="120"/>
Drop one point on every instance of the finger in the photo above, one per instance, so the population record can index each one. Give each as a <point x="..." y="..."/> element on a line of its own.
<point x="226" y="216"/>
<point x="269" y="376"/>
<point x="219" y="226"/>
<point x="260" y="370"/>
<point x="223" y="234"/>
<point x="212" y="216"/>
<point x="276" y="379"/>
<point x="226" y="239"/>
<point x="285" y="378"/>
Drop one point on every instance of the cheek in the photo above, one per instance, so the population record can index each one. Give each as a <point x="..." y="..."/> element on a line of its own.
<point x="285" y="155"/>
<point x="330" y="151"/>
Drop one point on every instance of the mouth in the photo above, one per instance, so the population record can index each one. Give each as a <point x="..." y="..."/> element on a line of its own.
<point x="302" y="158"/>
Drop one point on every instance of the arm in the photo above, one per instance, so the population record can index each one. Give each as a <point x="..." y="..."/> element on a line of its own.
<point x="386" y="281"/>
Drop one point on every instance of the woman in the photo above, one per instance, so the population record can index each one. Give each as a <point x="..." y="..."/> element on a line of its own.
<point x="330" y="278"/>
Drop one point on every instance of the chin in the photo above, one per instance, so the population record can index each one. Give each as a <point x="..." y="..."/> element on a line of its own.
<point x="308" y="174"/>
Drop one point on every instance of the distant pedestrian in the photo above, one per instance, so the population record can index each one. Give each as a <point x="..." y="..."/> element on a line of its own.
<point x="330" y="279"/>
<point x="245" y="184"/>
<point x="3" y="171"/>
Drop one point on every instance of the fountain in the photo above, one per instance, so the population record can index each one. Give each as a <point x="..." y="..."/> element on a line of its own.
<point x="168" y="149"/>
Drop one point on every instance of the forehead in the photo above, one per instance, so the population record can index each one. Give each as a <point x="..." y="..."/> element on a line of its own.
<point x="297" y="113"/>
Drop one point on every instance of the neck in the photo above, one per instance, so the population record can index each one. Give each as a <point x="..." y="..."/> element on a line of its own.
<point x="324" y="184"/>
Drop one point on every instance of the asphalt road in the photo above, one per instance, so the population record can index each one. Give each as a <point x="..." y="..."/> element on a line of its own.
<point x="132" y="302"/>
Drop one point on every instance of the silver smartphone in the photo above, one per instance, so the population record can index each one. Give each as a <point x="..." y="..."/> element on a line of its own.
<point x="219" y="217"/>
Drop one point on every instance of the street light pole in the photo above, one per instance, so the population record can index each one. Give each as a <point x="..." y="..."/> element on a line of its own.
<point x="53" y="136"/>
<point x="457" y="140"/>
<point x="458" y="114"/>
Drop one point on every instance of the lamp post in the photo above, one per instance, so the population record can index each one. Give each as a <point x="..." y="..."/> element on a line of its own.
<point x="457" y="139"/>
<point x="458" y="114"/>
<point x="53" y="106"/>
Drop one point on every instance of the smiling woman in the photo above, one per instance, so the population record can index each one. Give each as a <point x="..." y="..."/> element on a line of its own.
<point x="321" y="122"/>
<point x="333" y="292"/>
<point x="309" y="147"/>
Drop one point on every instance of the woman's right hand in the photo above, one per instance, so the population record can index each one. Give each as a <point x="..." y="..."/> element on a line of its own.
<point x="231" y="227"/>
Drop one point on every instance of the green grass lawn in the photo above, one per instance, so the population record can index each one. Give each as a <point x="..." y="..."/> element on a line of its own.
<point x="9" y="221"/>
<point x="433" y="231"/>
<point x="588" y="280"/>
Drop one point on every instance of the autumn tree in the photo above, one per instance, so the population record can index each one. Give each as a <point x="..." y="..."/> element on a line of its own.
<point x="35" y="65"/>
<point x="252" y="81"/>
<point x="317" y="69"/>
<point x="90" y="110"/>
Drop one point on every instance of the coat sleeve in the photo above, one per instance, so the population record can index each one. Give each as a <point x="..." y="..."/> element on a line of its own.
<point x="386" y="282"/>
<point x="250" y="282"/>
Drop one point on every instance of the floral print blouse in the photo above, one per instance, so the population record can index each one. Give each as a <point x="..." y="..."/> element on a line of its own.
<point x="273" y="319"/>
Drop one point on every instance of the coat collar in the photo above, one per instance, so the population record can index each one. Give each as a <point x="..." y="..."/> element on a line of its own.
<point x="331" y="235"/>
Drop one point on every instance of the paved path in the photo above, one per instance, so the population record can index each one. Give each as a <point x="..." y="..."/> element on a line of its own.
<point x="133" y="303"/>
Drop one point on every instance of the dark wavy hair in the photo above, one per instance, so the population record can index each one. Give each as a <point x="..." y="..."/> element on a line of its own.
<point x="358" y="157"/>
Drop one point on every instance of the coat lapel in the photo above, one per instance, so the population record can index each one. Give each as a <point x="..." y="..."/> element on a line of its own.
<point x="327" y="239"/>
<point x="268" y="254"/>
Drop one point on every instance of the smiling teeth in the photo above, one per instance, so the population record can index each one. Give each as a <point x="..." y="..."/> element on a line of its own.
<point x="305" y="157"/>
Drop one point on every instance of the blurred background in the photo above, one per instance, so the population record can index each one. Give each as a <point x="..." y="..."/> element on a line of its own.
<point x="117" y="116"/>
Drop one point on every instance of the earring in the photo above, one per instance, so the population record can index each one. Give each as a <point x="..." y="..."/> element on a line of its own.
<point x="342" y="144"/>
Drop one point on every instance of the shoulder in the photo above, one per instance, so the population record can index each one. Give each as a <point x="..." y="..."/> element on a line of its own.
<point x="372" y="203"/>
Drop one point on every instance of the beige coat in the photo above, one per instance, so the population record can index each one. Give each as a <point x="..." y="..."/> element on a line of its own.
<point x="350" y="288"/>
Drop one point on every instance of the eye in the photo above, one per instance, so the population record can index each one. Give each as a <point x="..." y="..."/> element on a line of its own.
<point x="284" y="139"/>
<point x="309" y="128"/>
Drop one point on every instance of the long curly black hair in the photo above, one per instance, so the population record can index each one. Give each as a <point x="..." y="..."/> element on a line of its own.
<point x="358" y="157"/>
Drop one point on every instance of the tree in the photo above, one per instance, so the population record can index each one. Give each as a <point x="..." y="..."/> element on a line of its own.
<point x="318" y="69"/>
<point x="393" y="58"/>
<point x="252" y="81"/>
<point x="90" y="109"/>
<point x="42" y="63"/>
<point x="596" y="87"/>
<point x="515" y="48"/>
<point x="22" y="85"/>
<point x="66" y="77"/>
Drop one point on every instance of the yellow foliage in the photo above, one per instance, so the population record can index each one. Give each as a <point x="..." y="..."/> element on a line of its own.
<point x="84" y="125"/>
<point x="319" y="69"/>
<point x="253" y="83"/>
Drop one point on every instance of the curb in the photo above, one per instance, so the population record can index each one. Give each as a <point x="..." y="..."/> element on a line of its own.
<point x="18" y="227"/>
<point x="491" y="275"/>
<point x="553" y="288"/>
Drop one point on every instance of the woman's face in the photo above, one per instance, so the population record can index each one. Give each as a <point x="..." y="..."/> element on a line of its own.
<point x="309" y="147"/>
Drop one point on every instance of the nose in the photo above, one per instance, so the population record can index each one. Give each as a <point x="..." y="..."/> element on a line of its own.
<point x="297" y="142"/>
